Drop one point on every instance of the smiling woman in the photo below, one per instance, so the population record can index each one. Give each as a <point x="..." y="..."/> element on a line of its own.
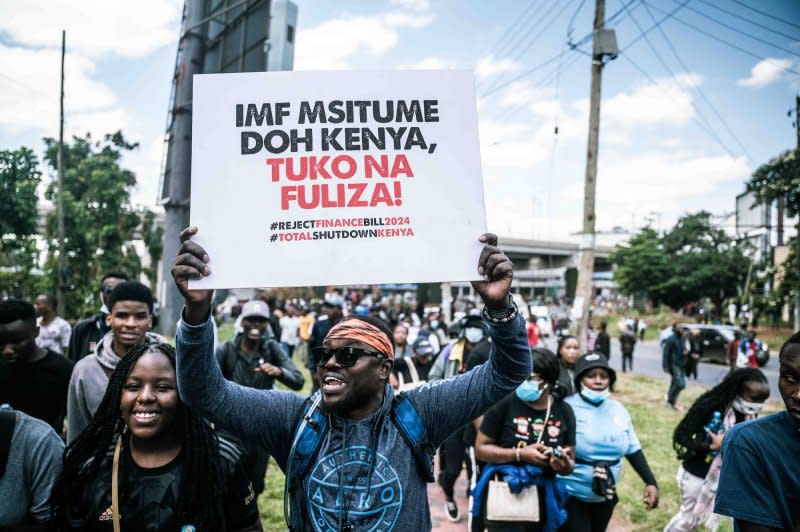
<point x="147" y="462"/>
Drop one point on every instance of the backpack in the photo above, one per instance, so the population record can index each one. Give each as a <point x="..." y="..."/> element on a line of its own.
<point x="312" y="427"/>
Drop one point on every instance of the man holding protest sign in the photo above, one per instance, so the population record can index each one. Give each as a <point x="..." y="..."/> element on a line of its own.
<point x="360" y="473"/>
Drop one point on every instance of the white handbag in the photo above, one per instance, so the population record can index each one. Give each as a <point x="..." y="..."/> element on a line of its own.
<point x="502" y="505"/>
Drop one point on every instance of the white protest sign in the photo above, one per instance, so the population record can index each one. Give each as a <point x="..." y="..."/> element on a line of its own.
<point x="322" y="178"/>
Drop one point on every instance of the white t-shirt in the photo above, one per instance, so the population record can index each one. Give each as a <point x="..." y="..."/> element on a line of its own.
<point x="289" y="327"/>
<point x="54" y="335"/>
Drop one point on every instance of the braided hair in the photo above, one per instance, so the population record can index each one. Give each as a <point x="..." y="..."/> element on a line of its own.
<point x="200" y="495"/>
<point x="717" y="399"/>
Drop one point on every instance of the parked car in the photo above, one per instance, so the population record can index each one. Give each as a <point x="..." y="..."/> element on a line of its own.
<point x="715" y="339"/>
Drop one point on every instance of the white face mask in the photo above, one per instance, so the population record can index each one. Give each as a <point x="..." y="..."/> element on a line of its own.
<point x="747" y="408"/>
<point x="595" y="396"/>
<point x="473" y="334"/>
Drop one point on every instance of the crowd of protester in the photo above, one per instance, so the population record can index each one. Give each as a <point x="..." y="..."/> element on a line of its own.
<point x="105" y="424"/>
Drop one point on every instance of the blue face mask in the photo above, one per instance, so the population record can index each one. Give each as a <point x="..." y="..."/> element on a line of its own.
<point x="595" y="397"/>
<point x="530" y="390"/>
<point x="434" y="324"/>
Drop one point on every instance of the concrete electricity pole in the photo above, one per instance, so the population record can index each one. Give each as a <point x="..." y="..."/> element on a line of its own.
<point x="603" y="43"/>
<point x="177" y="206"/>
<point x="797" y="236"/>
<point x="62" y="263"/>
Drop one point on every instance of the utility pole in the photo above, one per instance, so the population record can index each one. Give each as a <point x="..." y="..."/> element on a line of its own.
<point x="177" y="206"/>
<point x="797" y="236"/>
<point x="602" y="44"/>
<point x="62" y="263"/>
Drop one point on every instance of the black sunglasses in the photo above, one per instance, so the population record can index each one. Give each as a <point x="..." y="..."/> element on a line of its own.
<point x="345" y="356"/>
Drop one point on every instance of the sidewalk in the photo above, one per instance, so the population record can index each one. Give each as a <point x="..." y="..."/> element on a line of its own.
<point x="436" y="499"/>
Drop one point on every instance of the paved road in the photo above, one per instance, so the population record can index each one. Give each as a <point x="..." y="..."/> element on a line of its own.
<point x="647" y="361"/>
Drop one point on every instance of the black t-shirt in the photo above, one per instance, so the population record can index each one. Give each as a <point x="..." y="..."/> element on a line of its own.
<point x="39" y="389"/>
<point x="512" y="423"/>
<point x="148" y="497"/>
<point x="699" y="461"/>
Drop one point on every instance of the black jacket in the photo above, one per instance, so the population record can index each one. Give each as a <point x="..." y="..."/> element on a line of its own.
<point x="239" y="366"/>
<point x="85" y="336"/>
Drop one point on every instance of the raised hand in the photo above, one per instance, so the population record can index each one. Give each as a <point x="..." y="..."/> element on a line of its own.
<point x="192" y="263"/>
<point x="497" y="274"/>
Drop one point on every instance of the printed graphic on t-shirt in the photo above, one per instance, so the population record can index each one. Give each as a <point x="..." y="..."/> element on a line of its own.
<point x="528" y="429"/>
<point x="339" y="491"/>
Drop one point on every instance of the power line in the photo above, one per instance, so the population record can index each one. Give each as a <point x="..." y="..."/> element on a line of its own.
<point x="702" y="126"/>
<point x="697" y="89"/>
<point x="654" y="26"/>
<point x="522" y="75"/>
<point x="533" y="27"/>
<point x="745" y="19"/>
<point x="571" y="23"/>
<point x="773" y="17"/>
<point x="702" y="121"/>
<point x="737" y="30"/>
<point x="511" y="29"/>
<point x="734" y="46"/>
<point x="531" y="31"/>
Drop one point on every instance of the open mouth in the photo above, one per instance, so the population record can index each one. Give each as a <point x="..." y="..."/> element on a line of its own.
<point x="332" y="384"/>
<point x="145" y="417"/>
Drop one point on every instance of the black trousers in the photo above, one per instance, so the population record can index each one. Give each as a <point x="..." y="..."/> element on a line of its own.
<point x="587" y="516"/>
<point x="455" y="454"/>
<point x="627" y="362"/>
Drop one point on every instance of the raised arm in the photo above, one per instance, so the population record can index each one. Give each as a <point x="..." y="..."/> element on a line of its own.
<point x="447" y="405"/>
<point x="261" y="415"/>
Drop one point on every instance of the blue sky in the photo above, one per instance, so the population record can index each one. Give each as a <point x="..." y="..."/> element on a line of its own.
<point x="658" y="154"/>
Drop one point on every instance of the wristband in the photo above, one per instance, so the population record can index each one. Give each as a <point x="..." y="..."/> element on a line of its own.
<point x="516" y="453"/>
<point x="501" y="316"/>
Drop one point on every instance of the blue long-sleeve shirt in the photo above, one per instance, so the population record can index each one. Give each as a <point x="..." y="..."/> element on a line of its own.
<point x="395" y="498"/>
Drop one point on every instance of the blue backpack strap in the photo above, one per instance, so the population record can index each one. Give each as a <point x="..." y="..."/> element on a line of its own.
<point x="308" y="436"/>
<point x="406" y="418"/>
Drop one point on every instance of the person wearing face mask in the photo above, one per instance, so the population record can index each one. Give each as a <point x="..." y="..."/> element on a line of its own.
<point x="568" y="351"/>
<point x="529" y="434"/>
<point x="738" y="398"/>
<point x="604" y="434"/>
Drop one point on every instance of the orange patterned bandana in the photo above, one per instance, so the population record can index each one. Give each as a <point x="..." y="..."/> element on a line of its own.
<point x="365" y="333"/>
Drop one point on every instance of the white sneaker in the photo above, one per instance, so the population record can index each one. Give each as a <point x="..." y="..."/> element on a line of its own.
<point x="451" y="509"/>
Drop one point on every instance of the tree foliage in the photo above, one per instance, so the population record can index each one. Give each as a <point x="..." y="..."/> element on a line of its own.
<point x="692" y="261"/>
<point x="19" y="178"/>
<point x="778" y="178"/>
<point x="99" y="220"/>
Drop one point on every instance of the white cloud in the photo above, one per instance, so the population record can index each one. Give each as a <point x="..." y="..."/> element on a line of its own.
<point x="668" y="102"/>
<point x="765" y="72"/>
<point x="29" y="93"/>
<point x="510" y="145"/>
<point x="331" y="45"/>
<point x="414" y="5"/>
<point x="431" y="63"/>
<point x="487" y="66"/>
<point x="94" y="27"/>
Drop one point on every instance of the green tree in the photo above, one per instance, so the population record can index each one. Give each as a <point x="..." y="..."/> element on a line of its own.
<point x="99" y="220"/>
<point x="780" y="178"/>
<point x="708" y="263"/>
<point x="642" y="265"/>
<point x="19" y="217"/>
<point x="692" y="261"/>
